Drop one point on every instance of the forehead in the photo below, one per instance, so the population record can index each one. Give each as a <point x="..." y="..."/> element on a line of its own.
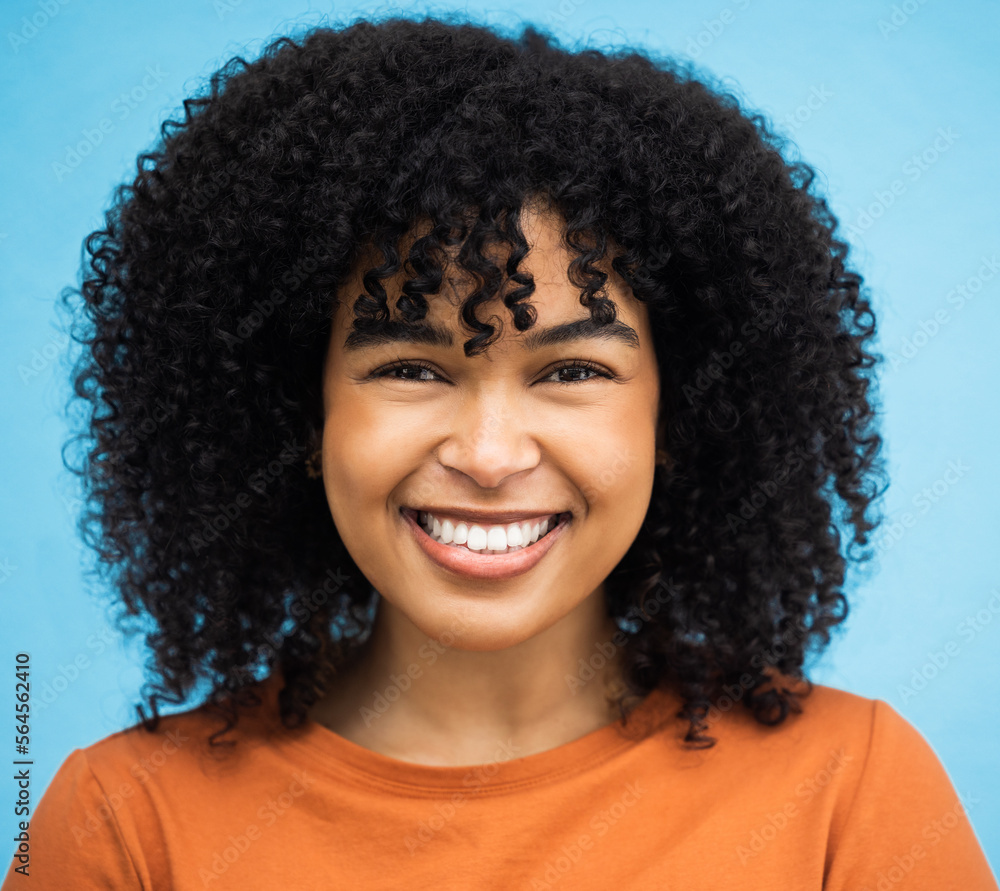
<point x="556" y="300"/>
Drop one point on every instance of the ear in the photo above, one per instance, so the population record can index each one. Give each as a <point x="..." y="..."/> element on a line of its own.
<point x="662" y="455"/>
<point x="314" y="451"/>
<point x="314" y="438"/>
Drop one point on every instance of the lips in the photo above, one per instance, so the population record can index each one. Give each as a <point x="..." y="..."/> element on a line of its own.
<point x="472" y="565"/>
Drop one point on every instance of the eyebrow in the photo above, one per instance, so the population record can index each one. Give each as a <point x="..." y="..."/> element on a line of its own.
<point x="394" y="331"/>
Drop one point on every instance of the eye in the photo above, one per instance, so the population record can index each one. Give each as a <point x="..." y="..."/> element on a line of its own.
<point x="410" y="370"/>
<point x="583" y="365"/>
<point x="410" y="367"/>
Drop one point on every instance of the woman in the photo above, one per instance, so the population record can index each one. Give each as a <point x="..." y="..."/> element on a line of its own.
<point x="469" y="419"/>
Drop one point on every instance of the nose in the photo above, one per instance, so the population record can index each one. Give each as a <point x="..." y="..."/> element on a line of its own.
<point x="489" y="442"/>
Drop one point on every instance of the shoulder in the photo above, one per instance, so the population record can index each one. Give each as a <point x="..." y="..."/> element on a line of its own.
<point x="816" y="717"/>
<point x="105" y="818"/>
<point x="838" y="751"/>
<point x="866" y="776"/>
<point x="832" y="732"/>
<point x="182" y="746"/>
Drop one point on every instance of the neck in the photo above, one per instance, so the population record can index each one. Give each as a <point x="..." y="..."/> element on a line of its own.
<point x="462" y="706"/>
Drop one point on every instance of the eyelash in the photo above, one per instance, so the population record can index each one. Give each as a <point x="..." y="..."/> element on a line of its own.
<point x="576" y="363"/>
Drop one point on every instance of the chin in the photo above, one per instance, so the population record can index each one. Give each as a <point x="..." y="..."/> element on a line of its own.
<point x="482" y="625"/>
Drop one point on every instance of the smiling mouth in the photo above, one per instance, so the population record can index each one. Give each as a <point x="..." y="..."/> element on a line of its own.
<point x="471" y="559"/>
<point x="488" y="538"/>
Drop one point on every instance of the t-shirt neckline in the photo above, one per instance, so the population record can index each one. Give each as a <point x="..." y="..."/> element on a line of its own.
<point x="331" y="754"/>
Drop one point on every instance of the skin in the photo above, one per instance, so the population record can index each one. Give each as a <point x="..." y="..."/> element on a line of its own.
<point x="495" y="431"/>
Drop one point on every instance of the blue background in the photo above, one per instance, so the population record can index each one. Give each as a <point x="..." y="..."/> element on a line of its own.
<point x="860" y="88"/>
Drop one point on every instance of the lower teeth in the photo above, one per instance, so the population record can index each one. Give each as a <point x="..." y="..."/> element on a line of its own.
<point x="486" y="550"/>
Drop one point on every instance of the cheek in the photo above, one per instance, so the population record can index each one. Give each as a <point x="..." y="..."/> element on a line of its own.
<point x="368" y="452"/>
<point x="356" y="460"/>
<point x="616" y="470"/>
<point x="618" y="498"/>
<point x="616" y="464"/>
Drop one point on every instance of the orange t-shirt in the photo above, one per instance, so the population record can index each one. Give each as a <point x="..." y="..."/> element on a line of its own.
<point x="846" y="796"/>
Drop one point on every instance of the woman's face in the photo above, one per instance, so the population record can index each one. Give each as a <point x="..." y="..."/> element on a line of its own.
<point x="503" y="432"/>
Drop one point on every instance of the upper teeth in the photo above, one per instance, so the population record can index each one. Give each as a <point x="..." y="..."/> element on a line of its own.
<point x="513" y="536"/>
